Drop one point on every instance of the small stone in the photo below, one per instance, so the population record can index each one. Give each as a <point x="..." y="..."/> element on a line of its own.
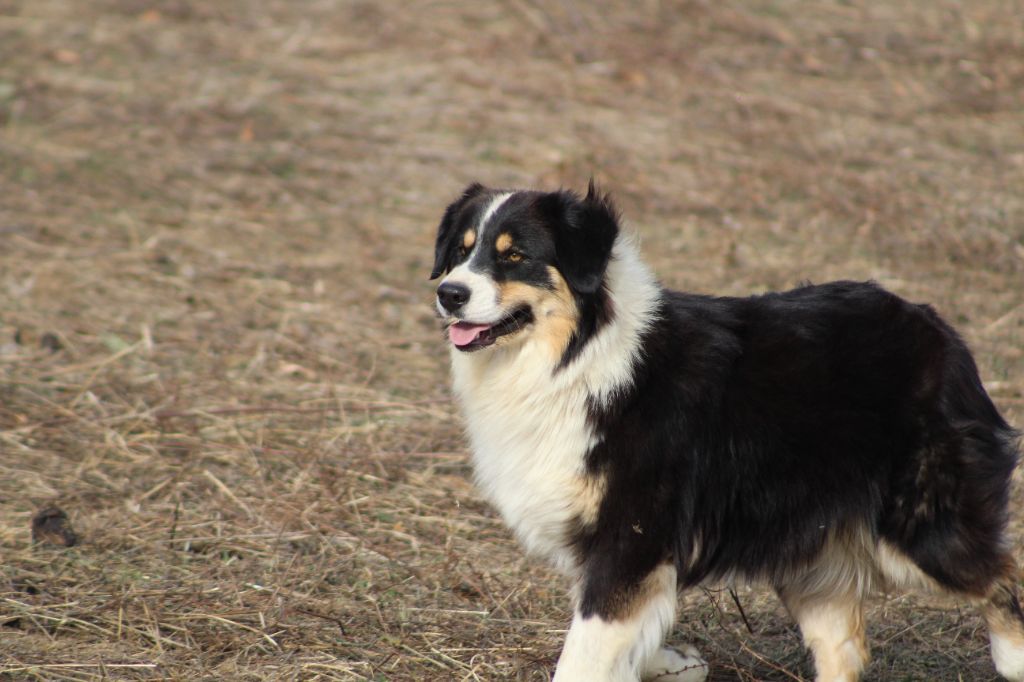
<point x="51" y="342"/>
<point x="51" y="526"/>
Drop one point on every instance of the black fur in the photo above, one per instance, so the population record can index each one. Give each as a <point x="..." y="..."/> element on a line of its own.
<point x="755" y="427"/>
<point x="446" y="245"/>
<point x="584" y="232"/>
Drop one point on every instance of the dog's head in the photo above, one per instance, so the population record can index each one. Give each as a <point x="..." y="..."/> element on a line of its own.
<point x="524" y="264"/>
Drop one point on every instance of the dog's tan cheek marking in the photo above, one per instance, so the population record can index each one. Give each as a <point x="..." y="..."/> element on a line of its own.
<point x="554" y="312"/>
<point x="468" y="239"/>
<point x="511" y="295"/>
<point x="504" y="242"/>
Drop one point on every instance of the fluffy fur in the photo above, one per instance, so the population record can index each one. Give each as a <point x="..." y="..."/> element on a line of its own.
<point x="828" y="440"/>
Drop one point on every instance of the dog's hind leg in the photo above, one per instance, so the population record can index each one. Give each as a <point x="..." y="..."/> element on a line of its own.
<point x="1006" y="630"/>
<point x="622" y="639"/>
<point x="826" y="600"/>
<point x="1000" y="605"/>
<point x="833" y="629"/>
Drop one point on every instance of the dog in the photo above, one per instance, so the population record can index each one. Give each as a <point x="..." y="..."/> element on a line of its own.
<point x="829" y="441"/>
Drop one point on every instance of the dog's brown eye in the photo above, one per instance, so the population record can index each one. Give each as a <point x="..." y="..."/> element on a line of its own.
<point x="513" y="256"/>
<point x="462" y="252"/>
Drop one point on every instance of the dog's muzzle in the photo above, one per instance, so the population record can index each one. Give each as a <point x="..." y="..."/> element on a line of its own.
<point x="452" y="295"/>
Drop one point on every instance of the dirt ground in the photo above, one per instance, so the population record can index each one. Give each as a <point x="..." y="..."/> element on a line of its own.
<point x="217" y="349"/>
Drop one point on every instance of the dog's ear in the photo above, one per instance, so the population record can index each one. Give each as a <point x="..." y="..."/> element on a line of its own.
<point x="585" y="231"/>
<point x="444" y="253"/>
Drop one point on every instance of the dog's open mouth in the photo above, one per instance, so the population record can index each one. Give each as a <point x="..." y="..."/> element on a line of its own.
<point x="468" y="336"/>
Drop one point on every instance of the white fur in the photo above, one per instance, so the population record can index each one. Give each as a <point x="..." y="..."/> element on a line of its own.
<point x="669" y="665"/>
<point x="597" y="650"/>
<point x="482" y="306"/>
<point x="527" y="423"/>
<point x="1008" y="657"/>
<point x="491" y="209"/>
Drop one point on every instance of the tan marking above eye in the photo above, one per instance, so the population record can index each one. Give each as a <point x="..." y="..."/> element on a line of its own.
<point x="468" y="239"/>
<point x="504" y="242"/>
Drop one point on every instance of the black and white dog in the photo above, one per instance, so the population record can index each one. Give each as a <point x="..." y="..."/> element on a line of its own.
<point x="829" y="440"/>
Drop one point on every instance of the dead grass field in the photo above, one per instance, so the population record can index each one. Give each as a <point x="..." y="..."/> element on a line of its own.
<point x="217" y="351"/>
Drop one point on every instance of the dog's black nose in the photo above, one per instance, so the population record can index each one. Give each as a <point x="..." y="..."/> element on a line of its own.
<point x="452" y="296"/>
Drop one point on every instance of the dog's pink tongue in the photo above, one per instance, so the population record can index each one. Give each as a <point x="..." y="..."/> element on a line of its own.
<point x="463" y="333"/>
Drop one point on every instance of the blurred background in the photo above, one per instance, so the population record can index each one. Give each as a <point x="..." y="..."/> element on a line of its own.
<point x="223" y="391"/>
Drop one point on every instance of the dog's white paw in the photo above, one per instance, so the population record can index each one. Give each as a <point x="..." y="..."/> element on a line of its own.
<point x="676" y="665"/>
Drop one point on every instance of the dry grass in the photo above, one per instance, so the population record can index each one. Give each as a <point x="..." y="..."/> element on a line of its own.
<point x="216" y="347"/>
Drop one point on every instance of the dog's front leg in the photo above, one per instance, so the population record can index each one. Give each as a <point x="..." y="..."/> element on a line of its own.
<point x="617" y="630"/>
<point x="598" y="650"/>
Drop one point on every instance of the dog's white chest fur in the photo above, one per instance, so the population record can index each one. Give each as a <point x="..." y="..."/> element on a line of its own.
<point x="527" y="421"/>
<point x="529" y="437"/>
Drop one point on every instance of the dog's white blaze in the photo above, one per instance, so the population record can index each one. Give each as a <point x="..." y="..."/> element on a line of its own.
<point x="527" y="423"/>
<point x="491" y="209"/>
<point x="483" y="306"/>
